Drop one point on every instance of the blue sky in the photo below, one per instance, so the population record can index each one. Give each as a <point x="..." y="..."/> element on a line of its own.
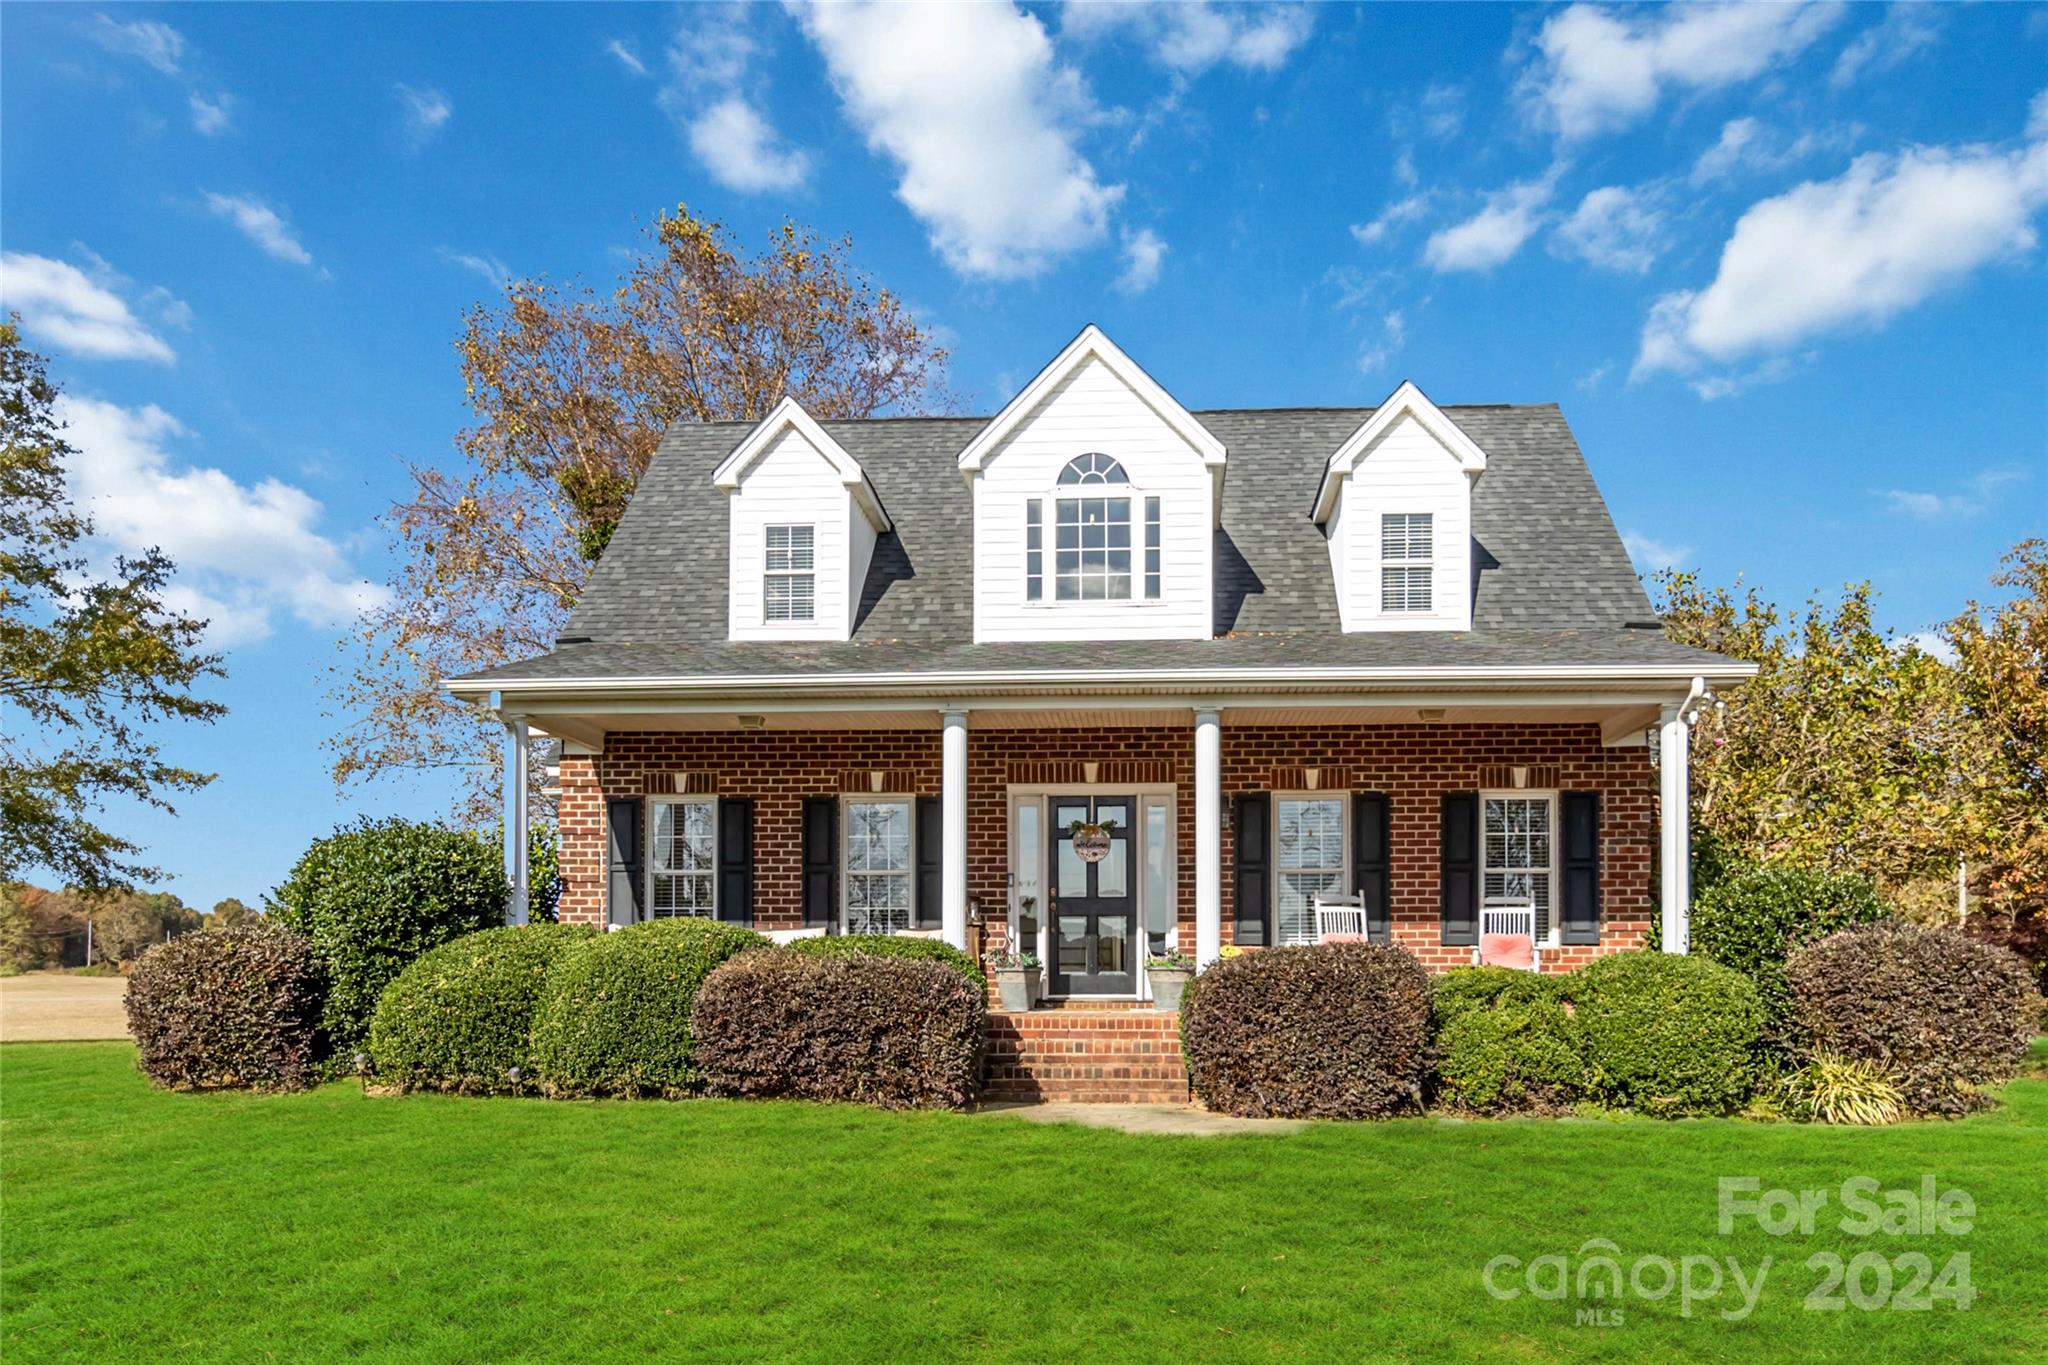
<point x="1780" y="265"/>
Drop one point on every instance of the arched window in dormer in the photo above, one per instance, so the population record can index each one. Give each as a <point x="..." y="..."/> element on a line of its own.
<point x="1094" y="467"/>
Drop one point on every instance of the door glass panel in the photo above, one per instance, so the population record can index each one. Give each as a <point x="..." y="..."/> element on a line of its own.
<point x="1112" y="944"/>
<point x="1073" y="873"/>
<point x="1073" y="944"/>
<point x="1113" y="873"/>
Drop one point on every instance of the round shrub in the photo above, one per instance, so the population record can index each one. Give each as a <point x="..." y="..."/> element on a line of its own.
<point x="898" y="946"/>
<point x="1939" y="1011"/>
<point x="614" y="1017"/>
<point x="239" y="1007"/>
<point x="1664" y="1034"/>
<point x="894" y="1032"/>
<point x="1754" y="917"/>
<point x="1337" y="1031"/>
<point x="460" y="1017"/>
<point x="1504" y="1043"/>
<point x="375" y="896"/>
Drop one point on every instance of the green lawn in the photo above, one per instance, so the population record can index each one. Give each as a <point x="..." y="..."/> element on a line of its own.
<point x="139" y="1225"/>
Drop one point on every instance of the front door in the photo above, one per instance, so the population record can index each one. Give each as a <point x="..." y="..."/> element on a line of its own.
<point x="1093" y="909"/>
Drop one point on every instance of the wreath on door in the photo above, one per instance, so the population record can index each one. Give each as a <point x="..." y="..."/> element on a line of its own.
<point x="1090" y="839"/>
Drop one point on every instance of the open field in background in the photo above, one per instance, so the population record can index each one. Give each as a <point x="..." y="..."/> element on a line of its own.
<point x="41" y="1007"/>
<point x="328" y="1225"/>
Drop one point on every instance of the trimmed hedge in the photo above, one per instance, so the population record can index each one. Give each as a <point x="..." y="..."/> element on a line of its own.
<point x="614" y="1018"/>
<point x="237" y="1007"/>
<point x="376" y="895"/>
<point x="1664" y="1034"/>
<point x="897" y="946"/>
<point x="893" y="1032"/>
<point x="1754" y="917"/>
<point x="1941" y="1012"/>
<point x="460" y="1018"/>
<point x="1504" y="1043"/>
<point x="1335" y="1031"/>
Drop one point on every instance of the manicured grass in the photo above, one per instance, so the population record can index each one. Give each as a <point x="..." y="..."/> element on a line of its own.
<point x="140" y="1225"/>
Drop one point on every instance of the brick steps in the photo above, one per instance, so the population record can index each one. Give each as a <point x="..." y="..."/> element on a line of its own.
<point x="1083" y="1055"/>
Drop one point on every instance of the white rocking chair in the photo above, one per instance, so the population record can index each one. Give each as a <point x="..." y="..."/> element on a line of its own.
<point x="1340" y="919"/>
<point x="1507" y="931"/>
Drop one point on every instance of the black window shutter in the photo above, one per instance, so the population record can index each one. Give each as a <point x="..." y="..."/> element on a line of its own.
<point x="1371" y="868"/>
<point x="1581" y="902"/>
<point x="1459" y="878"/>
<point x="928" y="901"/>
<point x="1254" y="884"/>
<point x="821" y="862"/>
<point x="623" y="885"/>
<point x="736" y="861"/>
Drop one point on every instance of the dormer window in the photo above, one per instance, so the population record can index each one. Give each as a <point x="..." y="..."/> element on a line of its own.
<point x="1093" y="468"/>
<point x="1407" y="541"/>
<point x="1092" y="538"/>
<point x="789" y="589"/>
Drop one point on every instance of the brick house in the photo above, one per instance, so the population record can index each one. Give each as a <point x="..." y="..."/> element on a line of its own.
<point x="880" y="676"/>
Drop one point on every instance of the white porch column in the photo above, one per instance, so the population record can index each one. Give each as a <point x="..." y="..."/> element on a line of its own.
<point x="1208" y="837"/>
<point x="1674" y="795"/>
<point x="953" y="813"/>
<point x="516" y="756"/>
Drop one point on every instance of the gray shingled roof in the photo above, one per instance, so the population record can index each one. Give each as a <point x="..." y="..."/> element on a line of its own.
<point x="1554" y="583"/>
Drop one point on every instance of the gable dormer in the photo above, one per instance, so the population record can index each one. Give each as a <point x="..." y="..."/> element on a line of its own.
<point x="802" y="522"/>
<point x="1096" y="500"/>
<point x="1396" y="508"/>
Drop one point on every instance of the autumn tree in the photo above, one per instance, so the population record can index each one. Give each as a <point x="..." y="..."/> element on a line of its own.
<point x="572" y="390"/>
<point x="90" y="657"/>
<point x="230" y="912"/>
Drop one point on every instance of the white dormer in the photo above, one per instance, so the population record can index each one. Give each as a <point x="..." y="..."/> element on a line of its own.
<point x="802" y="525"/>
<point x="1096" y="501"/>
<point x="1396" y="507"/>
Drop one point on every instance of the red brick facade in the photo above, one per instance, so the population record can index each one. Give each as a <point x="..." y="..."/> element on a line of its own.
<point x="1413" y="764"/>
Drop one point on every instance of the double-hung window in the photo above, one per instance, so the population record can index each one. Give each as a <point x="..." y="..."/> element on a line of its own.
<point x="682" y="863"/>
<point x="1407" y="550"/>
<point x="878" y="869"/>
<point x="789" y="589"/>
<point x="1519" y="854"/>
<point x="1311" y="861"/>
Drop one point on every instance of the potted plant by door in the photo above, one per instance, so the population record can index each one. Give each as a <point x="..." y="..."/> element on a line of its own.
<point x="1019" y="979"/>
<point x="1169" y="975"/>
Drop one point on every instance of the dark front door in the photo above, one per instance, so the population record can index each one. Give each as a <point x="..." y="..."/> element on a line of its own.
<point x="1093" y="910"/>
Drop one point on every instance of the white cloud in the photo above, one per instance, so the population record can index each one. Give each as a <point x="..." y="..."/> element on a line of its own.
<point x="969" y="102"/>
<point x="2037" y="117"/>
<point x="261" y="224"/>
<point x="211" y="116"/>
<point x="1598" y="69"/>
<point x="1489" y="237"/>
<point x="83" y="313"/>
<point x="1931" y="644"/>
<point x="627" y="56"/>
<point x="708" y="100"/>
<point x="1905" y="30"/>
<point x="425" y="111"/>
<point x="1396" y="214"/>
<point x="243" y="552"/>
<point x="156" y="45"/>
<point x="1649" y="555"/>
<point x="1191" y="36"/>
<point x="1443" y="110"/>
<point x="1376" y="352"/>
<point x="1852" y="251"/>
<point x="1617" y="229"/>
<point x="1144" y="253"/>
<point x="494" y="271"/>
<point x="1746" y="146"/>
<point x="1591" y="379"/>
<point x="1974" y="497"/>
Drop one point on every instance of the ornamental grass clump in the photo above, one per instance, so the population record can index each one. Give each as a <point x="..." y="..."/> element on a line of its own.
<point x="1334" y="1031"/>
<point x="461" y="1017"/>
<point x="229" y="1008"/>
<point x="896" y="1033"/>
<point x="1945" y="1015"/>
<point x="1845" y="1090"/>
<point x="1504" y="1043"/>
<point x="1666" y="1035"/>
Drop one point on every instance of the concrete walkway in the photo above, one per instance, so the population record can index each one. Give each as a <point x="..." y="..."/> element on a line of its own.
<point x="1183" y="1119"/>
<point x="53" y="1007"/>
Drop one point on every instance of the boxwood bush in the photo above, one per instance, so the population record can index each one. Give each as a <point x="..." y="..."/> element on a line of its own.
<point x="460" y="1017"/>
<point x="894" y="1032"/>
<point x="1335" y="1031"/>
<point x="1504" y="1043"/>
<point x="896" y="945"/>
<point x="1942" y="1013"/>
<point x="375" y="896"/>
<point x="1664" y="1034"/>
<point x="238" y="1007"/>
<point x="614" y="1017"/>
<point x="1754" y="917"/>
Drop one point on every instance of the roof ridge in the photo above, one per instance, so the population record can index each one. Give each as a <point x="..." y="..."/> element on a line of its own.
<point x="984" y="418"/>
